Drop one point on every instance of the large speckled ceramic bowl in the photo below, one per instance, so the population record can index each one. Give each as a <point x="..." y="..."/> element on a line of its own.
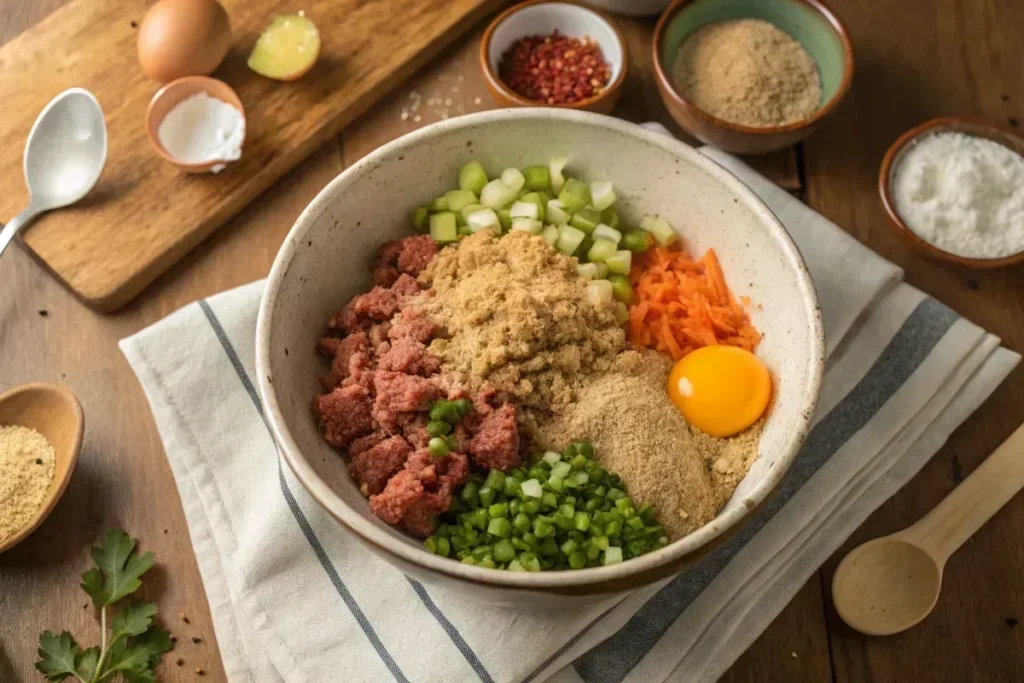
<point x="325" y="260"/>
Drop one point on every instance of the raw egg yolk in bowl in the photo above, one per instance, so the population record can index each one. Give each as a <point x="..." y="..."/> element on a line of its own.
<point x="720" y="390"/>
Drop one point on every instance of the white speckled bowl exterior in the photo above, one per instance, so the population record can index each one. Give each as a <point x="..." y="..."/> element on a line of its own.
<point x="325" y="260"/>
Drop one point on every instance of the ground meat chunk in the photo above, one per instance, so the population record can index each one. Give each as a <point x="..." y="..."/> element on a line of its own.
<point x="409" y="255"/>
<point x="398" y="393"/>
<point x="401" y="492"/>
<point x="328" y="346"/>
<point x="420" y="518"/>
<point x="348" y="347"/>
<point x="385" y="276"/>
<point x="365" y="443"/>
<point x="406" y="286"/>
<point x="376" y="465"/>
<point x="414" y="324"/>
<point x="411" y="357"/>
<point x="376" y="305"/>
<point x="495" y="442"/>
<point x="454" y="465"/>
<point x="414" y="428"/>
<point x="344" y="414"/>
<point x="379" y="335"/>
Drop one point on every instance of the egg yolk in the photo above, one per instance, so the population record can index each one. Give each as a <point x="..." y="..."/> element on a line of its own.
<point x="720" y="390"/>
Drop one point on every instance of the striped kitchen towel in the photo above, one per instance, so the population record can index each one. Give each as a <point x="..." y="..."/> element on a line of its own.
<point x="294" y="598"/>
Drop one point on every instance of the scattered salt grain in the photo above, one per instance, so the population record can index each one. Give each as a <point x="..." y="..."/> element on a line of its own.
<point x="477" y="100"/>
<point x="417" y="118"/>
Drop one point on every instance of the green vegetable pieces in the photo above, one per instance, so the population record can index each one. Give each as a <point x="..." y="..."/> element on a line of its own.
<point x="134" y="645"/>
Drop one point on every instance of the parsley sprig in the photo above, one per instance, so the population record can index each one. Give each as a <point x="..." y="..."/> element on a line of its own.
<point x="134" y="644"/>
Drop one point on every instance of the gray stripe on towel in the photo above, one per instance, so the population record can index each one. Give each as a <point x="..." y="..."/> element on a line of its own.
<point x="293" y="505"/>
<point x="611" y="660"/>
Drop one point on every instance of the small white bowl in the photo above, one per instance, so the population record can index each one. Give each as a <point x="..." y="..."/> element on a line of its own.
<point x="325" y="260"/>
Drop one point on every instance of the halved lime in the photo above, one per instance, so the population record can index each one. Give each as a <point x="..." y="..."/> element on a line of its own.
<point x="286" y="49"/>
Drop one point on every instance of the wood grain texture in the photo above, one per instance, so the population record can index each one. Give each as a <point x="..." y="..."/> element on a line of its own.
<point x="918" y="60"/>
<point x="145" y="214"/>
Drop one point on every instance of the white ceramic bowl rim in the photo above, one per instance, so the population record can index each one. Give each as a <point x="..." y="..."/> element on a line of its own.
<point x="551" y="580"/>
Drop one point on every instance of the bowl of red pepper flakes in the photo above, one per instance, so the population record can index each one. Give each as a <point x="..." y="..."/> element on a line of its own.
<point x="554" y="53"/>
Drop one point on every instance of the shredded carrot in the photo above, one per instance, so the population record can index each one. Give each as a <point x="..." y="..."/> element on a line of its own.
<point x="681" y="305"/>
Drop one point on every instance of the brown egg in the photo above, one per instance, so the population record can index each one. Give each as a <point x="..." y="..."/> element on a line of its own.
<point x="183" y="38"/>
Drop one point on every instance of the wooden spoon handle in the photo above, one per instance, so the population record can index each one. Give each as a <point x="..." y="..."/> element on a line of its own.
<point x="973" y="502"/>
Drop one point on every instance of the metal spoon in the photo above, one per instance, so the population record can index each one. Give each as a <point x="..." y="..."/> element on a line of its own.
<point x="891" y="583"/>
<point x="64" y="155"/>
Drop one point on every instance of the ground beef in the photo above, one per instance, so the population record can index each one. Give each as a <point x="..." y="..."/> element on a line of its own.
<point x="348" y="347"/>
<point x="414" y="428"/>
<point x="412" y="323"/>
<point x="454" y="465"/>
<point x="344" y="414"/>
<point x="378" y="304"/>
<point x="411" y="357"/>
<point x="328" y="346"/>
<point x="374" y="466"/>
<point x="406" y="286"/>
<point x="385" y="276"/>
<point x="495" y="442"/>
<point x="398" y="393"/>
<point x="366" y="442"/>
<point x="405" y="256"/>
<point x="379" y="335"/>
<point x="401" y="492"/>
<point x="420" y="518"/>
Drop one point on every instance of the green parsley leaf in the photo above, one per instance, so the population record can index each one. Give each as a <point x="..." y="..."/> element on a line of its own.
<point x="139" y="655"/>
<point x="118" y="569"/>
<point x="57" y="656"/>
<point x="86" y="663"/>
<point x="132" y="619"/>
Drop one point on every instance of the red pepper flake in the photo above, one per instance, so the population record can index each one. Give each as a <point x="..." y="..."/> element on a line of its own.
<point x="555" y="69"/>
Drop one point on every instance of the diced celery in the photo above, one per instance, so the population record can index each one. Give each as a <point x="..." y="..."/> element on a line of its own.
<point x="647" y="224"/>
<point x="551" y="457"/>
<point x="514" y="566"/>
<point x="610" y="217"/>
<point x="439" y="204"/>
<point x="585" y="220"/>
<point x="663" y="233"/>
<point x="464" y="230"/>
<point x="636" y="239"/>
<point x="620" y="262"/>
<point x="621" y="314"/>
<point x="458" y="199"/>
<point x="537" y="177"/>
<point x="544" y="196"/>
<point x="496" y="194"/>
<point x="419" y="218"/>
<point x="613" y="555"/>
<point x="587" y="271"/>
<point x="472" y="177"/>
<point x="621" y="288"/>
<point x="603" y="232"/>
<point x="599" y="292"/>
<point x="531" y="488"/>
<point x="602" y="270"/>
<point x="535" y="198"/>
<point x="523" y="209"/>
<point x="504" y="219"/>
<point x="513" y="179"/>
<point x="550" y="234"/>
<point x="601" y="251"/>
<point x="585" y="245"/>
<point x="602" y="195"/>
<point x="530" y="225"/>
<point x="470" y="209"/>
<point x="443" y="227"/>
<point x="482" y="220"/>
<point x="555" y="167"/>
<point x="557" y="214"/>
<point x="569" y="239"/>
<point x="574" y="195"/>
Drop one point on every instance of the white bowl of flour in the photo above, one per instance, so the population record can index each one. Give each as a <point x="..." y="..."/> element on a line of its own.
<point x="955" y="187"/>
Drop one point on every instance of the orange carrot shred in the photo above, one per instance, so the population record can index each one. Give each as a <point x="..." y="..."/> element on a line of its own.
<point x="681" y="304"/>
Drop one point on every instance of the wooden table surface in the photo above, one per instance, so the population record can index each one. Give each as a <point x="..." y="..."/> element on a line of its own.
<point x="915" y="59"/>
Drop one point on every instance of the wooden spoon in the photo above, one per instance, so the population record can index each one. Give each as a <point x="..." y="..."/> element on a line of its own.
<point x="891" y="583"/>
<point x="55" y="413"/>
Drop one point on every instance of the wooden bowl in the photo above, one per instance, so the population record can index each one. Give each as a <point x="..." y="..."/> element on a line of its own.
<point x="809" y="22"/>
<point x="55" y="413"/>
<point x="542" y="17"/>
<point x="167" y="97"/>
<point x="886" y="172"/>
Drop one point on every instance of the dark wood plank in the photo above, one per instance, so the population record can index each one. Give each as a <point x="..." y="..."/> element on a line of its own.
<point x="916" y="60"/>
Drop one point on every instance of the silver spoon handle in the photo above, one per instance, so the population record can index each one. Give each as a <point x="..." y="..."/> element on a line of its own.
<point x="12" y="228"/>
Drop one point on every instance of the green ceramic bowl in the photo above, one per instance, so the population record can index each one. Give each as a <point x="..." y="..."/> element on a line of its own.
<point x="812" y="24"/>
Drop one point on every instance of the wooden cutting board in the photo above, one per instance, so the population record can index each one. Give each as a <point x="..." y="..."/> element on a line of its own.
<point x="144" y="214"/>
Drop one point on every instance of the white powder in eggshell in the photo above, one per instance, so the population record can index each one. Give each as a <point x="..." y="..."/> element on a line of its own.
<point x="963" y="194"/>
<point x="202" y="128"/>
